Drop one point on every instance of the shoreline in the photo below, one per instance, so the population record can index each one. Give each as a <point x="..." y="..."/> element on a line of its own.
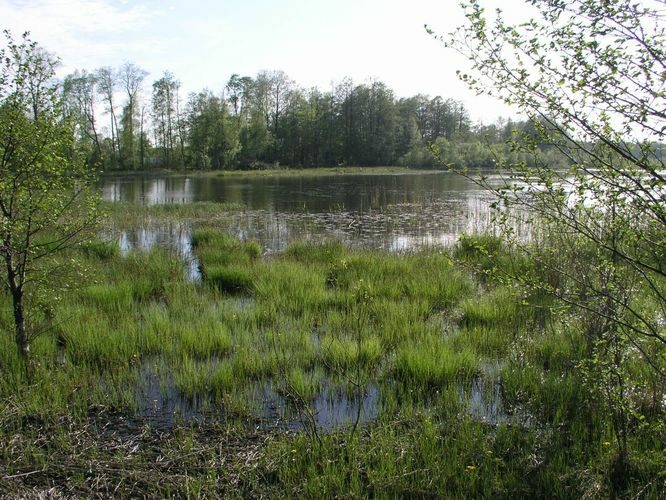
<point x="276" y="172"/>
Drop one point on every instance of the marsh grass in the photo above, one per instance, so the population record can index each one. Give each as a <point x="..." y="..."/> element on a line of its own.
<point x="318" y="319"/>
<point x="224" y="260"/>
<point x="434" y="363"/>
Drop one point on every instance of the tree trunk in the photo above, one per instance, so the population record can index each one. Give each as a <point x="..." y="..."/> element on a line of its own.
<point x="16" y="289"/>
<point x="130" y="156"/>
<point x="22" y="342"/>
<point x="141" y="150"/>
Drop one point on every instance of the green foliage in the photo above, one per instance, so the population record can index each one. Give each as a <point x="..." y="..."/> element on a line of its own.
<point x="47" y="200"/>
<point x="101" y="249"/>
<point x="214" y="139"/>
<point x="267" y="120"/>
<point x="584" y="73"/>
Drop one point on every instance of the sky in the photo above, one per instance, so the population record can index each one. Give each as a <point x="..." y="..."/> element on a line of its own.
<point x="316" y="42"/>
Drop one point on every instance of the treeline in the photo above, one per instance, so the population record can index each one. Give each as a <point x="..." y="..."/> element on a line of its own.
<point x="269" y="120"/>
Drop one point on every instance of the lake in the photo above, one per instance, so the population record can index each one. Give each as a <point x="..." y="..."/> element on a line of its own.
<point x="387" y="211"/>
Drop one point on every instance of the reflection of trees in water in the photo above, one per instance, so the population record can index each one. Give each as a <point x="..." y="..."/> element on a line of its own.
<point x="394" y="212"/>
<point x="292" y="194"/>
<point x="149" y="190"/>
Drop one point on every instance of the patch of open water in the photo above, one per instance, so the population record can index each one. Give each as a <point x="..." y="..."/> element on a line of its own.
<point x="265" y="406"/>
<point x="160" y="403"/>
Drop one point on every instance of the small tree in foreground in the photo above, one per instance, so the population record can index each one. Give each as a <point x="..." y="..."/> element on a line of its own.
<point x="591" y="75"/>
<point x="46" y="198"/>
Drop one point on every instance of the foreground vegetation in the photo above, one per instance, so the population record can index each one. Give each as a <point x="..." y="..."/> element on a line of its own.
<point x="322" y="371"/>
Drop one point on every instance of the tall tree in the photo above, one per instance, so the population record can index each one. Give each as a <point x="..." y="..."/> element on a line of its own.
<point x="344" y="103"/>
<point x="213" y="138"/>
<point x="130" y="78"/>
<point x="279" y="93"/>
<point x="80" y="95"/>
<point x="165" y="116"/>
<point x="107" y="85"/>
<point x="238" y="91"/>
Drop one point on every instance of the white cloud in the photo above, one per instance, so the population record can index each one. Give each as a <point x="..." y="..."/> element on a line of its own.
<point x="82" y="17"/>
<point x="80" y="32"/>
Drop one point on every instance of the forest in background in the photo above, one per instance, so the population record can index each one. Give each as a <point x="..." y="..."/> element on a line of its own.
<point x="268" y="121"/>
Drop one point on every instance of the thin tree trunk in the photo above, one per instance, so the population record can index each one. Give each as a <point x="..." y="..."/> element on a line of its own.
<point x="179" y="124"/>
<point x="141" y="144"/>
<point x="131" y="132"/>
<point x="22" y="341"/>
<point x="16" y="290"/>
<point x="119" y="158"/>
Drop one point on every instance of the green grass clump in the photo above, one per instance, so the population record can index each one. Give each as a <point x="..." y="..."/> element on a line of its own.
<point x="223" y="378"/>
<point x="498" y="308"/>
<point x="207" y="236"/>
<point x="101" y="249"/>
<point x="292" y="287"/>
<point x="480" y="247"/>
<point x="193" y="378"/>
<point x="230" y="279"/>
<point x="312" y="252"/>
<point x="303" y="384"/>
<point x="109" y="297"/>
<point x="488" y="341"/>
<point x="202" y="340"/>
<point x="491" y="258"/>
<point x="433" y="363"/>
<point x="215" y="246"/>
<point x="558" y="350"/>
<point x="347" y="352"/>
<point x="224" y="260"/>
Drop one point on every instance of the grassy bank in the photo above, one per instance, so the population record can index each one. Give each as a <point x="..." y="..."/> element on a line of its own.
<point x="319" y="372"/>
<point x="279" y="171"/>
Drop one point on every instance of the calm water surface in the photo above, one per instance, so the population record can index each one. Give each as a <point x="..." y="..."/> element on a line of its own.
<point x="386" y="211"/>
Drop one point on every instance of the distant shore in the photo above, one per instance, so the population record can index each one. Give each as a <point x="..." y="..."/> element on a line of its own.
<point x="271" y="172"/>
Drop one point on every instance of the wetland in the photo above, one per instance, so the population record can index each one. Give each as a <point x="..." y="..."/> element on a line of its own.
<point x="300" y="336"/>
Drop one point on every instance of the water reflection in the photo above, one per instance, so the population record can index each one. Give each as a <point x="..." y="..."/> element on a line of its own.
<point x="331" y="409"/>
<point x="484" y="401"/>
<point x="383" y="211"/>
<point x="308" y="193"/>
<point x="394" y="227"/>
<point x="159" y="402"/>
<point x="174" y="236"/>
<point x="149" y="190"/>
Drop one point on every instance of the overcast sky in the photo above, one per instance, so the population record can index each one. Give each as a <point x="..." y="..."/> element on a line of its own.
<point x="315" y="42"/>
